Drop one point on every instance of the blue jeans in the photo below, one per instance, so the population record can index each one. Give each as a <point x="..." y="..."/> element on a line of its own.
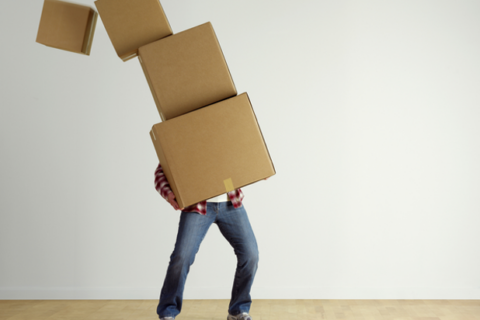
<point x="235" y="227"/>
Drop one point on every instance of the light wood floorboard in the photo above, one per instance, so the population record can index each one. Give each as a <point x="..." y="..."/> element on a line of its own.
<point x="261" y="309"/>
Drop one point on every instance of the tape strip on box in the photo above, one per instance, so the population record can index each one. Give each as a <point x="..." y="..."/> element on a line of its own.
<point x="228" y="184"/>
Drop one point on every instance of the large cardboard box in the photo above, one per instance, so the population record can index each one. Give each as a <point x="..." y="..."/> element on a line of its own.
<point x="186" y="71"/>
<point x="212" y="150"/>
<point x="67" y="26"/>
<point x="131" y="24"/>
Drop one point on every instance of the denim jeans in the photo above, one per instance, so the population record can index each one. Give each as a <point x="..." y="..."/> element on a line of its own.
<point x="235" y="227"/>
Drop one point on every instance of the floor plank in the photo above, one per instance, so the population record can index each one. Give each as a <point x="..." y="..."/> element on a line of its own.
<point x="261" y="310"/>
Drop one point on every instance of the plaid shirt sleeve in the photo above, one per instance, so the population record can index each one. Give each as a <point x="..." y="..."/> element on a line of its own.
<point x="200" y="207"/>
<point x="236" y="196"/>
<point x="161" y="183"/>
<point x="163" y="187"/>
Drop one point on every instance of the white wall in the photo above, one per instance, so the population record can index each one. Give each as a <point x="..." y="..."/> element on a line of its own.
<point x="370" y="110"/>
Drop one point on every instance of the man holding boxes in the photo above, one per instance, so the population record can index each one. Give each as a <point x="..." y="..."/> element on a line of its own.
<point x="210" y="153"/>
<point x="209" y="143"/>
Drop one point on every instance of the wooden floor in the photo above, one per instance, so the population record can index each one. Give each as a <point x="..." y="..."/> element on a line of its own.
<point x="261" y="309"/>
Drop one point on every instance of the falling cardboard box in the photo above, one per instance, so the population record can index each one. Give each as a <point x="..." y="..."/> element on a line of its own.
<point x="131" y="24"/>
<point x="212" y="150"/>
<point x="67" y="26"/>
<point x="186" y="71"/>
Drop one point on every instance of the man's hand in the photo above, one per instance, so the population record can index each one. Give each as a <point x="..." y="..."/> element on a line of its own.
<point x="173" y="202"/>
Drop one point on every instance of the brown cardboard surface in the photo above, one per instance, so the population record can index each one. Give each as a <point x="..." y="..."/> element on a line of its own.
<point x="131" y="24"/>
<point x="91" y="25"/>
<point x="208" y="151"/>
<point x="186" y="71"/>
<point x="67" y="26"/>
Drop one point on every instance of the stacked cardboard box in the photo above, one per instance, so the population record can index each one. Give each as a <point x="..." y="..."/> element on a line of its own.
<point x="209" y="141"/>
<point x="67" y="26"/>
<point x="132" y="24"/>
<point x="212" y="150"/>
<point x="186" y="71"/>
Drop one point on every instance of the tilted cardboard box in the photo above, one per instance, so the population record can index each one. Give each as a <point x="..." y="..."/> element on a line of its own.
<point x="212" y="150"/>
<point x="67" y="26"/>
<point x="186" y="71"/>
<point x="131" y="24"/>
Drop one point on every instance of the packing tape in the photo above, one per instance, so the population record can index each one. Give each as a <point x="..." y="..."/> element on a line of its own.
<point x="153" y="134"/>
<point x="228" y="184"/>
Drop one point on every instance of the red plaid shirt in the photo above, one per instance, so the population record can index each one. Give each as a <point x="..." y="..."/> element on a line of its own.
<point x="162" y="186"/>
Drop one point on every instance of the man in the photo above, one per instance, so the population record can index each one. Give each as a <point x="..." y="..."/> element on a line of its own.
<point x="228" y="212"/>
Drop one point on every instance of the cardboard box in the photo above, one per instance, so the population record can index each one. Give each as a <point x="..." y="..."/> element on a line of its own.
<point x="212" y="150"/>
<point x="131" y="24"/>
<point x="67" y="26"/>
<point x="186" y="71"/>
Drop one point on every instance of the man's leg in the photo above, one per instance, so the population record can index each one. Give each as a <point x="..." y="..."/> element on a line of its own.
<point x="235" y="227"/>
<point x="191" y="230"/>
